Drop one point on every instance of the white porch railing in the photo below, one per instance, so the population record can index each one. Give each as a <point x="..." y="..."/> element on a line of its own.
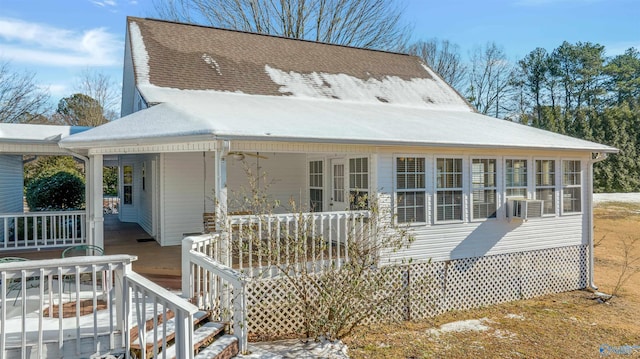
<point x="264" y="242"/>
<point x="213" y="285"/>
<point x="48" y="306"/>
<point x="40" y="230"/>
<point x="146" y="293"/>
<point x="82" y="307"/>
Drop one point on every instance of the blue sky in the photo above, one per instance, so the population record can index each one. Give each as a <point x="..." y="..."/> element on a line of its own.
<point x="58" y="39"/>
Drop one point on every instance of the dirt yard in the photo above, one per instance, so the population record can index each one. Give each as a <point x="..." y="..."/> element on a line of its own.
<point x="566" y="325"/>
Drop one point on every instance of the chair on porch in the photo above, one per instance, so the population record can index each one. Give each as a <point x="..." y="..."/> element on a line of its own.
<point x="80" y="251"/>
<point x="209" y="222"/>
<point x="16" y="284"/>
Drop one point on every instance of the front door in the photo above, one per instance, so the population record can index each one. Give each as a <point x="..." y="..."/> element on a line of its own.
<point x="338" y="195"/>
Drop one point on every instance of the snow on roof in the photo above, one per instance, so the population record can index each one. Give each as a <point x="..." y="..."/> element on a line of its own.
<point x="14" y="132"/>
<point x="423" y="91"/>
<point x="139" y="54"/>
<point x="186" y="115"/>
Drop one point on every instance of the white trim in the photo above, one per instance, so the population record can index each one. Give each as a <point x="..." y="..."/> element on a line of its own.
<point x="394" y="181"/>
<point x="498" y="189"/>
<point x="464" y="188"/>
<point x="562" y="187"/>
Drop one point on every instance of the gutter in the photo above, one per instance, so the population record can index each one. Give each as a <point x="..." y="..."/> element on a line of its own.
<point x="599" y="156"/>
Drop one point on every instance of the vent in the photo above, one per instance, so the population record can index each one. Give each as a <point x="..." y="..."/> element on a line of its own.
<point x="524" y="209"/>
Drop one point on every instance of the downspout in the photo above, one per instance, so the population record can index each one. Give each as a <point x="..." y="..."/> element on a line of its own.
<point x="597" y="158"/>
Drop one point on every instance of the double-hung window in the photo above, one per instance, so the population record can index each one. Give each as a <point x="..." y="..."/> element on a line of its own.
<point x="316" y="184"/>
<point x="449" y="189"/>
<point x="545" y="182"/>
<point x="359" y="183"/>
<point x="127" y="184"/>
<point x="410" y="189"/>
<point x="516" y="178"/>
<point x="571" y="186"/>
<point x="483" y="183"/>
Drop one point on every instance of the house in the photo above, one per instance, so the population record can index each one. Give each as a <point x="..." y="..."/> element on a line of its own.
<point x="489" y="201"/>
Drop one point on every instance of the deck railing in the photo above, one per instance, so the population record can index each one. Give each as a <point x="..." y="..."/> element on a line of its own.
<point x="213" y="285"/>
<point x="261" y="244"/>
<point x="58" y="307"/>
<point x="151" y="300"/>
<point x="41" y="230"/>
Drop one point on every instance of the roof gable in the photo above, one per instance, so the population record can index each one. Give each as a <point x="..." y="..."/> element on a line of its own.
<point x="191" y="57"/>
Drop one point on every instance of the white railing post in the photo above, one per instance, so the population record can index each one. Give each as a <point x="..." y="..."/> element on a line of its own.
<point x="240" y="328"/>
<point x="123" y="298"/>
<point x="187" y="276"/>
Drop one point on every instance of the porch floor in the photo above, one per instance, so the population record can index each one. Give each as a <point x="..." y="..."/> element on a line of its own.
<point x="159" y="264"/>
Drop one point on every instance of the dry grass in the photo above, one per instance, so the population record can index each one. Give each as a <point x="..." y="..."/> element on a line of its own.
<point x="565" y="325"/>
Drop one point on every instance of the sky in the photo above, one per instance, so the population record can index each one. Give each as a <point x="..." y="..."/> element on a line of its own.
<point x="56" y="40"/>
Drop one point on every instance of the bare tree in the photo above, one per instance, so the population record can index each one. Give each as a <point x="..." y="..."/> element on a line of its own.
<point x="489" y="80"/>
<point x="101" y="88"/>
<point x="361" y="23"/>
<point x="442" y="56"/>
<point x="21" y="100"/>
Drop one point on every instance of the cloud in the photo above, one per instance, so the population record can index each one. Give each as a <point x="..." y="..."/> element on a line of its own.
<point x="105" y="3"/>
<point x="34" y="43"/>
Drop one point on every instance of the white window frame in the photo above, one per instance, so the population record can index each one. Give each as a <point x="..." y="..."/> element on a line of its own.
<point x="554" y="187"/>
<point x="580" y="186"/>
<point x="496" y="188"/>
<point x="322" y="184"/>
<point x="527" y="177"/>
<point x="462" y="189"/>
<point x="397" y="190"/>
<point x="349" y="173"/>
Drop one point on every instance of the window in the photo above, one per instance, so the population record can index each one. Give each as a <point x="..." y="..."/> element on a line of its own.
<point x="545" y="183"/>
<point x="483" y="183"/>
<point x="571" y="186"/>
<point x="358" y="183"/>
<point x="127" y="183"/>
<point x="315" y="185"/>
<point x="516" y="178"/>
<point x="449" y="189"/>
<point x="410" y="179"/>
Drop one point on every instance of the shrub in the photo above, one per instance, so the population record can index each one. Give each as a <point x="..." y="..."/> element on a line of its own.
<point x="59" y="191"/>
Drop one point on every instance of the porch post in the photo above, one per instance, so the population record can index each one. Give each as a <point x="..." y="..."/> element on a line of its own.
<point x="96" y="227"/>
<point x="220" y="190"/>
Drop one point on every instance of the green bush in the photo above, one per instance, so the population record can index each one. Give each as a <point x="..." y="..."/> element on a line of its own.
<point x="59" y="191"/>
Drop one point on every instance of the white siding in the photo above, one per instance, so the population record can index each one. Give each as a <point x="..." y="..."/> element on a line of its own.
<point x="11" y="186"/>
<point x="183" y="199"/>
<point x="468" y="239"/>
<point x="284" y="176"/>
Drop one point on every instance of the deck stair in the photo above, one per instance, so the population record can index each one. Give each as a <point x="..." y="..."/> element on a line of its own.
<point x="209" y="338"/>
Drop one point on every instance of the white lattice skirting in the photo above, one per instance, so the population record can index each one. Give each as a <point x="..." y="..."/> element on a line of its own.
<point x="437" y="287"/>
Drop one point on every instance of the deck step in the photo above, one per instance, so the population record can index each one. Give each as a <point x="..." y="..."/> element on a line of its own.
<point x="224" y="347"/>
<point x="198" y="317"/>
<point x="202" y="337"/>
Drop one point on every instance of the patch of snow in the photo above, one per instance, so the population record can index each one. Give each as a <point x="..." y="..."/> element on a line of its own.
<point x="425" y="92"/>
<point x="515" y="316"/>
<point x="283" y="118"/>
<point x="503" y="334"/>
<point x="616" y="197"/>
<point x="139" y="54"/>
<point x="211" y="62"/>
<point x="294" y="348"/>
<point x="471" y="325"/>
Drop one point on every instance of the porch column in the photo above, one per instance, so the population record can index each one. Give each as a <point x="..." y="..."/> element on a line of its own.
<point x="94" y="201"/>
<point x="220" y="190"/>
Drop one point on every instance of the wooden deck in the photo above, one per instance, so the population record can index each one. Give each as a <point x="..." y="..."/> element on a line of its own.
<point x="159" y="264"/>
